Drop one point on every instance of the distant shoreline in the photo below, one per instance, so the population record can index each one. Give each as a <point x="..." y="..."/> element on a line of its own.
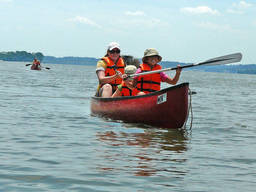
<point x="23" y="56"/>
<point x="238" y="68"/>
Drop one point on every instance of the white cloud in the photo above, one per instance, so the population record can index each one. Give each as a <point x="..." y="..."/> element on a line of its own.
<point x="216" y="27"/>
<point x="144" y="23"/>
<point x="242" y="5"/>
<point x="199" y="10"/>
<point x="155" y="22"/>
<point x="84" y="20"/>
<point x="6" y="1"/>
<point x="234" y="11"/>
<point x="135" y="13"/>
<point x="239" y="8"/>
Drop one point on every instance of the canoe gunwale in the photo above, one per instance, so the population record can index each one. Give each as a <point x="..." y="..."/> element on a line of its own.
<point x="140" y="96"/>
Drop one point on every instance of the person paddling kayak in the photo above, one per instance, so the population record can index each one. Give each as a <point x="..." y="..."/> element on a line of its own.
<point x="36" y="65"/>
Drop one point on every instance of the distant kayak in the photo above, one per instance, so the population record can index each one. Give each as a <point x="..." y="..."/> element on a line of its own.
<point x="35" y="67"/>
<point x="167" y="108"/>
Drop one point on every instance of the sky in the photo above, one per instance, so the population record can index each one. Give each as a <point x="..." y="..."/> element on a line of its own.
<point x="181" y="30"/>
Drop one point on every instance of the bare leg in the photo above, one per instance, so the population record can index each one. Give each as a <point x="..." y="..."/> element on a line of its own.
<point x="141" y="93"/>
<point x="107" y="90"/>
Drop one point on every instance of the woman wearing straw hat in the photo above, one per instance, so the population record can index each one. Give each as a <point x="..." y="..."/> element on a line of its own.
<point x="152" y="82"/>
<point x="109" y="71"/>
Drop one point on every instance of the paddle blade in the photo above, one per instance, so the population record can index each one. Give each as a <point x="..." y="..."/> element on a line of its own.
<point x="226" y="59"/>
<point x="28" y="64"/>
<point x="47" y="68"/>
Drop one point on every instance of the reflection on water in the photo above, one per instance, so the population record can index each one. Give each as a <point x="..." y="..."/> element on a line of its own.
<point x="146" y="151"/>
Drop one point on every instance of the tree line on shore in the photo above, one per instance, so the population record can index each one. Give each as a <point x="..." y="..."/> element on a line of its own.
<point x="23" y="56"/>
<point x="20" y="56"/>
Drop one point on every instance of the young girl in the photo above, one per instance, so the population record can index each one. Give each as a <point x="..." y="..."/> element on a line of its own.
<point x="126" y="87"/>
<point x="152" y="82"/>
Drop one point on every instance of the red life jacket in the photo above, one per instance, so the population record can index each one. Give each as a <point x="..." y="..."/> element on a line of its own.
<point x="149" y="83"/>
<point x="128" y="92"/>
<point x="110" y="70"/>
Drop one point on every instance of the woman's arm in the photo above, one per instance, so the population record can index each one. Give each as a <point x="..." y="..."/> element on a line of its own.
<point x="103" y="79"/>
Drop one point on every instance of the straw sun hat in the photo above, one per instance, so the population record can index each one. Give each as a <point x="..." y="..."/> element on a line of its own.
<point x="129" y="70"/>
<point x="151" y="52"/>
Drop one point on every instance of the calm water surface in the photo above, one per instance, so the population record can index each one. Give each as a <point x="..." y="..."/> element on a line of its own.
<point x="50" y="142"/>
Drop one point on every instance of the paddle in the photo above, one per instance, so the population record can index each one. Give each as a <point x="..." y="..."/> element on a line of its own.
<point x="232" y="58"/>
<point x="28" y="64"/>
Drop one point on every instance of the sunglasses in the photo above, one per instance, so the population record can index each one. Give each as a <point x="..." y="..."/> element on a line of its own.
<point x="114" y="51"/>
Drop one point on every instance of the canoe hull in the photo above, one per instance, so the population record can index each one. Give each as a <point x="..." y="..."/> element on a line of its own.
<point x="167" y="108"/>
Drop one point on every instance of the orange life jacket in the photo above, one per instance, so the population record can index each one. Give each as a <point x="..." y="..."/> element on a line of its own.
<point x="36" y="62"/>
<point x="149" y="83"/>
<point x="110" y="70"/>
<point x="36" y="65"/>
<point x="128" y="92"/>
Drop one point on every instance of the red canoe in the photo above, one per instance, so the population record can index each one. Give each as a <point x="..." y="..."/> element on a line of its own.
<point x="167" y="108"/>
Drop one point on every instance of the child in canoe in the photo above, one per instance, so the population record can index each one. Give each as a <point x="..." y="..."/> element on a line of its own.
<point x="152" y="82"/>
<point x="126" y="87"/>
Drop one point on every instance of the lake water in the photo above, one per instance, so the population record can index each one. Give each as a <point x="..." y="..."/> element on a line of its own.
<point x="50" y="142"/>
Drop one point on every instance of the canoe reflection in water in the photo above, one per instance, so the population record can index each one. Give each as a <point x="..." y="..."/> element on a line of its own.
<point x="145" y="153"/>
